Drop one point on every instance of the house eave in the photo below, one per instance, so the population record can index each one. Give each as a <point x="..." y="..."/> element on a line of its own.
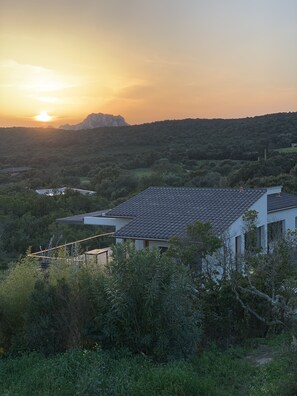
<point x="141" y="238"/>
<point x="281" y="209"/>
<point x="117" y="217"/>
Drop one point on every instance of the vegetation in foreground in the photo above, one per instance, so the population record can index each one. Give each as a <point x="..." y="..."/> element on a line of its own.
<point x="147" y="325"/>
<point x="57" y="332"/>
<point x="97" y="372"/>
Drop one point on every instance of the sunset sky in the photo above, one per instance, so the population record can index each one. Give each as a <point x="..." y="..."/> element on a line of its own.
<point x="146" y="59"/>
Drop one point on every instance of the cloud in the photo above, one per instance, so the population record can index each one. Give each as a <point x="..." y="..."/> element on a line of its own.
<point x="33" y="78"/>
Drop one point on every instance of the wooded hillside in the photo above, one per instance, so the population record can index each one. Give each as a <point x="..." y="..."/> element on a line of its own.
<point x="119" y="162"/>
<point x="191" y="138"/>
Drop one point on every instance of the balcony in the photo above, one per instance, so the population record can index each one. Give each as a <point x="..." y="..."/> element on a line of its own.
<point x="80" y="252"/>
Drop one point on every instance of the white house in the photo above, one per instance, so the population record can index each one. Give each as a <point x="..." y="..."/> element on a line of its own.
<point x="157" y="214"/>
<point x="62" y="190"/>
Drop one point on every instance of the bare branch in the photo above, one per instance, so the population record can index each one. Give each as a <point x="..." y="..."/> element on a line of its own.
<point x="257" y="293"/>
<point x="254" y="313"/>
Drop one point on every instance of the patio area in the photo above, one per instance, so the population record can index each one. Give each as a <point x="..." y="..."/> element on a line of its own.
<point x="81" y="252"/>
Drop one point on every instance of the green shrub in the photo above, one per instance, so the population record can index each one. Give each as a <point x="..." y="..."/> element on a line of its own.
<point x="15" y="292"/>
<point x="48" y="319"/>
<point x="177" y="378"/>
<point x="97" y="329"/>
<point x="152" y="305"/>
<point x="224" y="320"/>
<point x="61" y="310"/>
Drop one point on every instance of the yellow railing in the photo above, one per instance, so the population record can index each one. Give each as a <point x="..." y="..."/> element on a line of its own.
<point x="45" y="253"/>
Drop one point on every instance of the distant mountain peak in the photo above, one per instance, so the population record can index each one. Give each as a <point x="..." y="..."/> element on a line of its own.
<point x="97" y="120"/>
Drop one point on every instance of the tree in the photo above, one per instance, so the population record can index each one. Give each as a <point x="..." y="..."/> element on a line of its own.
<point x="15" y="293"/>
<point x="152" y="304"/>
<point x="250" y="218"/>
<point x="267" y="288"/>
<point x="192" y="249"/>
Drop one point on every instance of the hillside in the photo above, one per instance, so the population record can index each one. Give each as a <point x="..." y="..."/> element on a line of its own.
<point x="194" y="139"/>
<point x="119" y="162"/>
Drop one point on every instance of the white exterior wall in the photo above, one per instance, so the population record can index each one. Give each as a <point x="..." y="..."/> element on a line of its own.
<point x="274" y="189"/>
<point x="237" y="228"/>
<point x="158" y="244"/>
<point x="288" y="216"/>
<point x="139" y="244"/>
<point x="109" y="221"/>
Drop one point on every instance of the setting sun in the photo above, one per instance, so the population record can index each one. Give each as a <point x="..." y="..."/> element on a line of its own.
<point x="215" y="59"/>
<point x="43" y="117"/>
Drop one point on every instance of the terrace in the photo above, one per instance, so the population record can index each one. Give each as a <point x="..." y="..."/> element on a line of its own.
<point x="92" y="249"/>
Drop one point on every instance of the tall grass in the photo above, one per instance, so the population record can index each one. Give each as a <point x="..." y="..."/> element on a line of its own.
<point x="118" y="373"/>
<point x="101" y="373"/>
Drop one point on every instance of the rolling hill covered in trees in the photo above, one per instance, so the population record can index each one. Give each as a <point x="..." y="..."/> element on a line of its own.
<point x="121" y="161"/>
<point x="190" y="138"/>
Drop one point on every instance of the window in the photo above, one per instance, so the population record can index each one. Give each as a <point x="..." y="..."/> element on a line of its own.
<point x="260" y="237"/>
<point x="254" y="240"/>
<point x="276" y="230"/>
<point x="146" y="243"/>
<point x="250" y="241"/>
<point x="237" y="252"/>
<point x="163" y="249"/>
<point x="238" y="245"/>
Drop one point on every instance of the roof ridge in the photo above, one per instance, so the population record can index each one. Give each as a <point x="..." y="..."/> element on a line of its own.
<point x="206" y="188"/>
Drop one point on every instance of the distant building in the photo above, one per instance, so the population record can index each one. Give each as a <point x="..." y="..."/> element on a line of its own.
<point x="62" y="190"/>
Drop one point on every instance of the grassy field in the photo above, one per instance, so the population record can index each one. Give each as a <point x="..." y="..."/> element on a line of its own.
<point x="141" y="172"/>
<point x="84" y="180"/>
<point x="213" y="373"/>
<point x="287" y="150"/>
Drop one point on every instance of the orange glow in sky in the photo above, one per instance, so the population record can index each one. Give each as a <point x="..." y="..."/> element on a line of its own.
<point x="146" y="60"/>
<point x="43" y="117"/>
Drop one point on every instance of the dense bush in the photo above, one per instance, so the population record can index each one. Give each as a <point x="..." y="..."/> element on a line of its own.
<point x="62" y="309"/>
<point x="225" y="321"/>
<point x="142" y="301"/>
<point x="48" y="318"/>
<point x="15" y="293"/>
<point x="152" y="304"/>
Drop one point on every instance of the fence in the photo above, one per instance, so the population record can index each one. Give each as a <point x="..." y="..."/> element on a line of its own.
<point x="76" y="250"/>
